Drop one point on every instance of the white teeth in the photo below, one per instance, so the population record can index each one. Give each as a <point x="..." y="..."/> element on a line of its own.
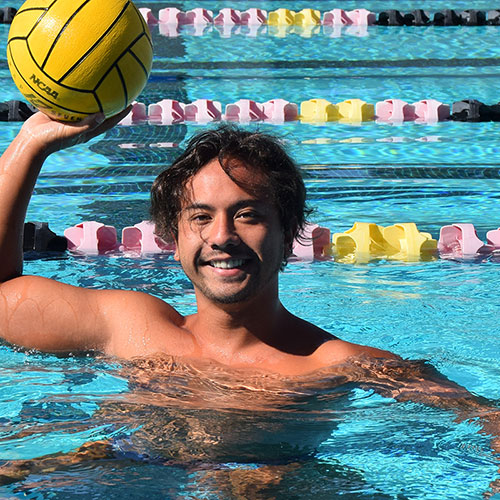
<point x="226" y="264"/>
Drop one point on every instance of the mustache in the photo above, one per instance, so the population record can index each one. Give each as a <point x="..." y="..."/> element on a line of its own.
<point x="241" y="251"/>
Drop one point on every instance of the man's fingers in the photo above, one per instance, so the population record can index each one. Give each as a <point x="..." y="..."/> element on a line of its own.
<point x="107" y="123"/>
<point x="91" y="121"/>
<point x="55" y="135"/>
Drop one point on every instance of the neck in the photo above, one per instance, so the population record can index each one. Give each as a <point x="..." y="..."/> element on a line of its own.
<point x="233" y="328"/>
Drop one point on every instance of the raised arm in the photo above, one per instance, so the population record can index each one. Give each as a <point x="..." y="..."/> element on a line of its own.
<point x="19" y="168"/>
<point x="36" y="312"/>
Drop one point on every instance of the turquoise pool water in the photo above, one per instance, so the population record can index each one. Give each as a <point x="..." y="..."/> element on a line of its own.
<point x="213" y="436"/>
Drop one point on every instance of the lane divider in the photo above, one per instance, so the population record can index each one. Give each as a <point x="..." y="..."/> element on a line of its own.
<point x="313" y="17"/>
<point x="170" y="112"/>
<point x="353" y="111"/>
<point x="364" y="242"/>
<point x="309" y="17"/>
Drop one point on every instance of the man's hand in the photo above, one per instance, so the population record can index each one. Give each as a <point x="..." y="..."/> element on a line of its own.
<point x="50" y="135"/>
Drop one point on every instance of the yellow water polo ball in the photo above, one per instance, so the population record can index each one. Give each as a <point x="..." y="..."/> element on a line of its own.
<point x="72" y="58"/>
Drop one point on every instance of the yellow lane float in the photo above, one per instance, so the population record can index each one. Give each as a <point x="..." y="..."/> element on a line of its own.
<point x="355" y="111"/>
<point x="366" y="241"/>
<point x="318" y="110"/>
<point x="307" y="17"/>
<point x="281" y="17"/>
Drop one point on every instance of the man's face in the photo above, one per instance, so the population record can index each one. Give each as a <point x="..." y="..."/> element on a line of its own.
<point x="230" y="242"/>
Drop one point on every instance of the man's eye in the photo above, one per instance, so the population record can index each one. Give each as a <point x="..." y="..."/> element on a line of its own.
<point x="250" y="216"/>
<point x="200" y="218"/>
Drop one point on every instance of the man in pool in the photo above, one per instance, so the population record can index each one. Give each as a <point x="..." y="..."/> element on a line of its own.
<point x="234" y="202"/>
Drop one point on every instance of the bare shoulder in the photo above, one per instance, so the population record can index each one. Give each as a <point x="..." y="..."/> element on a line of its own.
<point x="337" y="351"/>
<point x="325" y="350"/>
<point x="141" y="324"/>
<point x="130" y="304"/>
<point x="44" y="314"/>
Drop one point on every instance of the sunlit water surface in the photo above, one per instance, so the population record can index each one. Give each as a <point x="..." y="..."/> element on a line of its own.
<point x="179" y="430"/>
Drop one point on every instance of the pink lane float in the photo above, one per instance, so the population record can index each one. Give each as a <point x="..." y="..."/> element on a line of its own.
<point x="199" y="16"/>
<point x="245" y="110"/>
<point x="275" y="111"/>
<point x="279" y="110"/>
<point x="493" y="238"/>
<point x="95" y="238"/>
<point x="91" y="238"/>
<point x="141" y="238"/>
<point x="361" y="17"/>
<point x="253" y="17"/>
<point x="203" y="111"/>
<point x="460" y="240"/>
<point x="137" y="114"/>
<point x="167" y="112"/>
<point x="311" y="244"/>
<point x="225" y="17"/>
<point x="175" y="17"/>
<point x="170" y="111"/>
<point x="172" y="16"/>
<point x="357" y="17"/>
<point x="430" y="110"/>
<point x="228" y="17"/>
<point x="148" y="16"/>
<point x="336" y="17"/>
<point x="394" y="110"/>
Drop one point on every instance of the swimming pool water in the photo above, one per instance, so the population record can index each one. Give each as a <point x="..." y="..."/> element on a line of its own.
<point x="444" y="311"/>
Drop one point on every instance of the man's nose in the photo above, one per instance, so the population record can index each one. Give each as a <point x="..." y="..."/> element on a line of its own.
<point x="223" y="232"/>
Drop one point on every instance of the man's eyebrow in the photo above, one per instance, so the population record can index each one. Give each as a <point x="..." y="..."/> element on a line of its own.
<point x="251" y="202"/>
<point x="198" y="206"/>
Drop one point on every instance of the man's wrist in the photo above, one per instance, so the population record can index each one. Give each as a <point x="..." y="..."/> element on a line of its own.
<point x="32" y="145"/>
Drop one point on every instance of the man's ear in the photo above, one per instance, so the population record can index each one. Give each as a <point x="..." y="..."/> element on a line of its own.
<point x="174" y="240"/>
<point x="289" y="237"/>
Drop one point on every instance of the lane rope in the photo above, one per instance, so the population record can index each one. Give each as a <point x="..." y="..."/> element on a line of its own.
<point x="309" y="17"/>
<point x="312" y="17"/>
<point x="365" y="241"/>
<point x="204" y="111"/>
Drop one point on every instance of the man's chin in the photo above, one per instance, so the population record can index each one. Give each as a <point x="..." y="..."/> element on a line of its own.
<point x="236" y="298"/>
<point x="227" y="297"/>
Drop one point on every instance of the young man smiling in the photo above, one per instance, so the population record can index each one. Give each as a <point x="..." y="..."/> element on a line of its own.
<point x="233" y="202"/>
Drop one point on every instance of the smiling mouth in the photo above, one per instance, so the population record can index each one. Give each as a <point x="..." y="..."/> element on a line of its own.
<point x="226" y="264"/>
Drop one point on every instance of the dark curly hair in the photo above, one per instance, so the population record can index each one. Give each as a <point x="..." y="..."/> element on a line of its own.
<point x="263" y="152"/>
